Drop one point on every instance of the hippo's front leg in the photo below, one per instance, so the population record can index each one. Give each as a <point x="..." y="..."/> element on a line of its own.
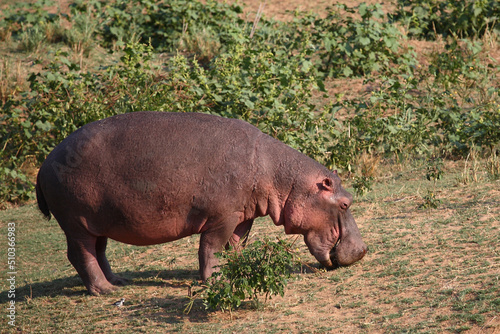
<point x="240" y="235"/>
<point x="213" y="241"/>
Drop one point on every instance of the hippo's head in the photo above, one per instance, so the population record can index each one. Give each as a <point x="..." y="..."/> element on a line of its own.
<point x="321" y="213"/>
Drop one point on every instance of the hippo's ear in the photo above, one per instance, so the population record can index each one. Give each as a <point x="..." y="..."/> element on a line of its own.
<point x="327" y="184"/>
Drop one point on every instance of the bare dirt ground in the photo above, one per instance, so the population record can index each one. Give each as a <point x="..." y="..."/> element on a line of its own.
<point x="279" y="9"/>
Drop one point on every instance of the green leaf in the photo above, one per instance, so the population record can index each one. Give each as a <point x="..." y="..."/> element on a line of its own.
<point x="45" y="126"/>
<point x="365" y="41"/>
<point x="347" y="72"/>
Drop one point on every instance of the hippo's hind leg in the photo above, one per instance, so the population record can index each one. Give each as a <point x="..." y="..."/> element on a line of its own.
<point x="101" y="244"/>
<point x="83" y="254"/>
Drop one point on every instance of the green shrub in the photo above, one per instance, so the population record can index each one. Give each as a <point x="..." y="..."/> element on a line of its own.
<point x="470" y="18"/>
<point x="430" y="201"/>
<point x="28" y="19"/>
<point x="362" y="184"/>
<point x="349" y="46"/>
<point x="406" y="114"/>
<point x="261" y="268"/>
<point x="465" y="97"/>
<point x="165" y="23"/>
<point x="84" y="28"/>
<point x="32" y="38"/>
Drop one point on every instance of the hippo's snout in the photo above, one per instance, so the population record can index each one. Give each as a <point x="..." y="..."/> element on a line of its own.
<point x="345" y="255"/>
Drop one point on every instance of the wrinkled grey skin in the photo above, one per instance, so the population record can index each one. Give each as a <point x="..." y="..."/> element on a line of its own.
<point x="146" y="178"/>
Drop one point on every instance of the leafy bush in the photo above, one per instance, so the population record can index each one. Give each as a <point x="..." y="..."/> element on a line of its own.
<point x="261" y="268"/>
<point x="430" y="201"/>
<point x="85" y="25"/>
<point x="406" y="114"/>
<point x="165" y="23"/>
<point x="392" y="120"/>
<point x="355" y="47"/>
<point x="426" y="18"/>
<point x="24" y="15"/>
<point x="362" y="185"/>
<point x="464" y="97"/>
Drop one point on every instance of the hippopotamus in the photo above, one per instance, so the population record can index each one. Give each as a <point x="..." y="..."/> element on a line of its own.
<point x="147" y="178"/>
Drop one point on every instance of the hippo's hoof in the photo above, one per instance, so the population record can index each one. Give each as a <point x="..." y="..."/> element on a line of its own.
<point x="117" y="280"/>
<point x="102" y="290"/>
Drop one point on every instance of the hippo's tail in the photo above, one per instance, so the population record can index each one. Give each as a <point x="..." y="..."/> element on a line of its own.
<point x="42" y="204"/>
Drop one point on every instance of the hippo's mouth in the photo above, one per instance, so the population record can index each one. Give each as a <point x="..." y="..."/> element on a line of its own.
<point x="347" y="249"/>
<point x="333" y="255"/>
<point x="334" y="251"/>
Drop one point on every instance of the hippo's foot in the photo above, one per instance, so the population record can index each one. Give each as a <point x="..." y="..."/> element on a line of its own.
<point x="117" y="280"/>
<point x="101" y="289"/>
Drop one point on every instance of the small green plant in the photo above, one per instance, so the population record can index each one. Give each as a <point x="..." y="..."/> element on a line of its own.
<point x="430" y="201"/>
<point x="434" y="170"/>
<point x="32" y="38"/>
<point x="434" y="173"/>
<point x="82" y="35"/>
<point x="260" y="268"/>
<point x="362" y="184"/>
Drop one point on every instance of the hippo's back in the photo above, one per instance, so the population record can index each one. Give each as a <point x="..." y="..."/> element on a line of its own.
<point x="151" y="167"/>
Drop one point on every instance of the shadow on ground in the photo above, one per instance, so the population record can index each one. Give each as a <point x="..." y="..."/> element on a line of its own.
<point x="73" y="286"/>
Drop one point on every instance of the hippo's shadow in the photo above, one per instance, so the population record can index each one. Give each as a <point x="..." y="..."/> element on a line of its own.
<point x="149" y="277"/>
<point x="170" y="308"/>
<point x="173" y="310"/>
<point x="73" y="286"/>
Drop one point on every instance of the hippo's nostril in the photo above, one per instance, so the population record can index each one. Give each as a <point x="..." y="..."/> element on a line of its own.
<point x="344" y="204"/>
<point x="364" y="250"/>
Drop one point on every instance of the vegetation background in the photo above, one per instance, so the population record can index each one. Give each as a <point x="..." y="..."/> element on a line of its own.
<point x="401" y="97"/>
